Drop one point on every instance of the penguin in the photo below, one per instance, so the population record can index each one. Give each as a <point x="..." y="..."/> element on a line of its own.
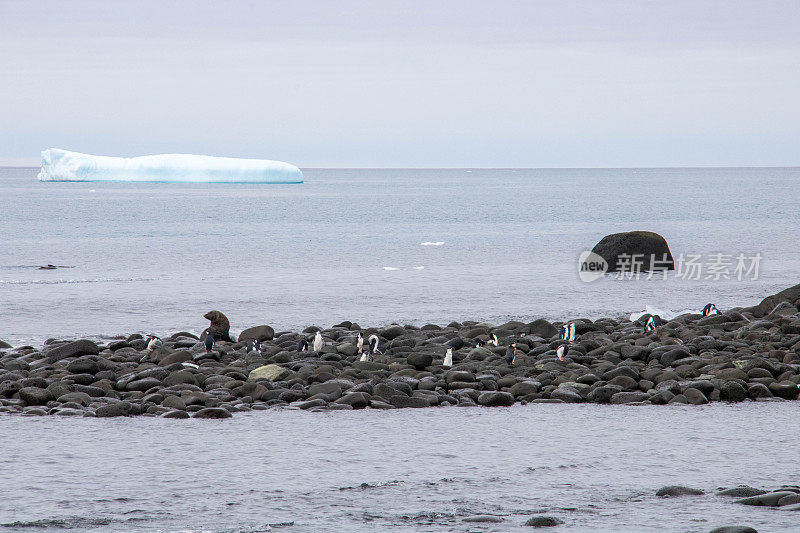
<point x="477" y="343"/>
<point x="366" y="357"/>
<point x="154" y="343"/>
<point x="302" y="346"/>
<point x="360" y="343"/>
<point x="653" y="322"/>
<point x="375" y="345"/>
<point x="493" y="340"/>
<point x="209" y="342"/>
<point x="253" y="346"/>
<point x="710" y="309"/>
<point x="564" y="332"/>
<point x="562" y="351"/>
<point x="571" y="336"/>
<point x="448" y="358"/>
<point x="511" y="354"/>
<point x="319" y="342"/>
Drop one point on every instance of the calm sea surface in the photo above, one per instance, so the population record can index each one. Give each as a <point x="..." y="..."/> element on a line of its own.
<point x="595" y="467"/>
<point x="156" y="257"/>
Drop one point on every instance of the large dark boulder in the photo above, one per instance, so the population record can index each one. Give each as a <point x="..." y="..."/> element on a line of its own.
<point x="646" y="245"/>
<point x="258" y="333"/>
<point x="791" y="295"/>
<point x="72" y="349"/>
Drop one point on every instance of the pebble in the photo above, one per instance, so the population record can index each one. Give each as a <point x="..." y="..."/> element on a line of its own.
<point x="742" y="355"/>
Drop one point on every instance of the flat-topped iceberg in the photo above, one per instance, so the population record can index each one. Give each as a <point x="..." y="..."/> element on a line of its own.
<point x="63" y="165"/>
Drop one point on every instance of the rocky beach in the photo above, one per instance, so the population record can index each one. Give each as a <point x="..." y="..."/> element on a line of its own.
<point x="741" y="354"/>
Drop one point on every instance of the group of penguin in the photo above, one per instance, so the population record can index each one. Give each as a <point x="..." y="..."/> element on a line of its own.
<point x="655" y="321"/>
<point x="376" y="346"/>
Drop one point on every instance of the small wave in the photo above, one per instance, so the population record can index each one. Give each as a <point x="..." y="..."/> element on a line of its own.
<point x="419" y="268"/>
<point x="391" y="268"/>
<point x="71" y="522"/>
<point x="428" y="243"/>
<point x="63" y="281"/>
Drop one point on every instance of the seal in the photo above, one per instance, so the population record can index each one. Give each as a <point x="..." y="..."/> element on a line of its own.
<point x="219" y="328"/>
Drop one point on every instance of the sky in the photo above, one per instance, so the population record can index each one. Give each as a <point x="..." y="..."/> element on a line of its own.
<point x="409" y="83"/>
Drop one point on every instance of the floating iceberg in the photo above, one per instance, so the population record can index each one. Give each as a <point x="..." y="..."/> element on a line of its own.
<point x="62" y="165"/>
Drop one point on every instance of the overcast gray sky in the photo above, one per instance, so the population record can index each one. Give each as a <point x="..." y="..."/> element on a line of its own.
<point x="406" y="84"/>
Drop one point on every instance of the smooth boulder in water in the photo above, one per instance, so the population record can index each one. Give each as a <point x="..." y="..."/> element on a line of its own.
<point x="645" y="245"/>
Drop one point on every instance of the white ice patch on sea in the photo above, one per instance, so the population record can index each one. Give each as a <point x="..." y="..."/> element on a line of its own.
<point x="63" y="165"/>
<point x="666" y="314"/>
<point x="428" y="243"/>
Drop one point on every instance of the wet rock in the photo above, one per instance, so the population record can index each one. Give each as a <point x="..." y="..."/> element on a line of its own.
<point x="143" y="385"/>
<point x="496" y="399"/>
<point x="259" y="333"/>
<point x="77" y="397"/>
<point x="34" y="396"/>
<point x="402" y="401"/>
<point x="769" y="499"/>
<point x="733" y="529"/>
<point x="566" y="395"/>
<point x="523" y="388"/>
<point x="420" y="360"/>
<point x="543" y="521"/>
<point x="789" y="500"/>
<point x="645" y="244"/>
<point x="392" y="332"/>
<point x="741" y="491"/>
<point x="628" y="397"/>
<point x="72" y="349"/>
<point x="732" y="391"/>
<point x="270" y="373"/>
<point x="677" y="490"/>
<point x="695" y="397"/>
<point x="174" y="414"/>
<point x="181" y="356"/>
<point x="358" y="400"/>
<point x="785" y="389"/>
<point x="114" y="409"/>
<point x="212" y="412"/>
<point x="83" y="365"/>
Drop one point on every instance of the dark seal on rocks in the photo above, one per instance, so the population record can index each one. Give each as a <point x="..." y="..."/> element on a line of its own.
<point x="646" y="244"/>
<point x="219" y="328"/>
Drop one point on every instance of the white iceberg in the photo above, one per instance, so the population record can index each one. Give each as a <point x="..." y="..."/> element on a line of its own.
<point x="63" y="165"/>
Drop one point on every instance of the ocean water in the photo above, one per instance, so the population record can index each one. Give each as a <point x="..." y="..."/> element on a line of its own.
<point x="347" y="245"/>
<point x="595" y="467"/>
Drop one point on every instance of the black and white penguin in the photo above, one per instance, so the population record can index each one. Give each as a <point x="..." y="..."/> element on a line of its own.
<point x="375" y="345"/>
<point x="209" y="342"/>
<point x="562" y="351"/>
<point x="710" y="309"/>
<point x="448" y="358"/>
<point x="253" y="345"/>
<point x="477" y="343"/>
<point x="511" y="354"/>
<point x="568" y="332"/>
<point x="154" y="343"/>
<point x="360" y="343"/>
<point x="493" y="340"/>
<point x="366" y="356"/>
<point x="319" y="342"/>
<point x="302" y="346"/>
<point x="653" y="322"/>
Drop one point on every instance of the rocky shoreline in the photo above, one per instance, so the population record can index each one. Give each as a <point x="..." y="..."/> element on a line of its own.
<point x="740" y="354"/>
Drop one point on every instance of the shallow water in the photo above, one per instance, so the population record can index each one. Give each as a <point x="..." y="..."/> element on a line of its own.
<point x="155" y="257"/>
<point x="595" y="467"/>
